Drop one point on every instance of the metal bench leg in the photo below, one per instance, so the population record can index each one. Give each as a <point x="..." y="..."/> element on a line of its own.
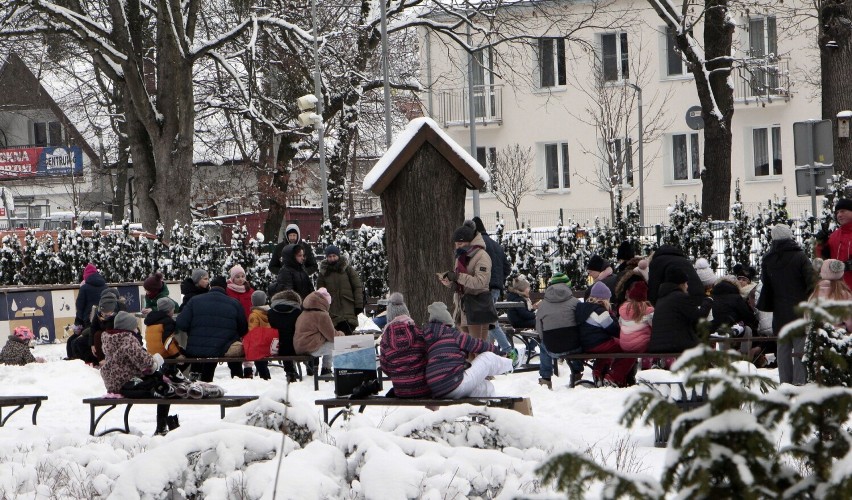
<point x="341" y="412"/>
<point x="93" y="422"/>
<point x="127" y="419"/>
<point x="35" y="411"/>
<point x="221" y="411"/>
<point x="325" y="414"/>
<point x="316" y="378"/>
<point x="4" y="420"/>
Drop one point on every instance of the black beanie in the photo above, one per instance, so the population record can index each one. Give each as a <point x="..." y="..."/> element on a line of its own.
<point x="596" y="263"/>
<point x="843" y="204"/>
<point x="625" y="251"/>
<point x="464" y="233"/>
<point x="480" y="226"/>
<point x="676" y="276"/>
<point x="219" y="281"/>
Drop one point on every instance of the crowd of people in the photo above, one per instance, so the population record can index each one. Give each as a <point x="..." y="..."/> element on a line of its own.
<point x="638" y="304"/>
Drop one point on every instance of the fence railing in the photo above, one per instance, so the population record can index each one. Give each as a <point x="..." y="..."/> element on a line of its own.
<point x="454" y="105"/>
<point x="762" y="79"/>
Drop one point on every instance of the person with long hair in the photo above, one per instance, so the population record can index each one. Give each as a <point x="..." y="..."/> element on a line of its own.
<point x="832" y="287"/>
<point x="634" y="318"/>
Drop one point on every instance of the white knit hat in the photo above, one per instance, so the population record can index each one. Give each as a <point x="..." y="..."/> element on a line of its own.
<point x="705" y="272"/>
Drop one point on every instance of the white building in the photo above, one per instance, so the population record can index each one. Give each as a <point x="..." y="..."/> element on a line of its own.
<point x="539" y="96"/>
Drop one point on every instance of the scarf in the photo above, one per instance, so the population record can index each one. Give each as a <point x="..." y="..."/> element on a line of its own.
<point x="236" y="288"/>
<point x="463" y="256"/>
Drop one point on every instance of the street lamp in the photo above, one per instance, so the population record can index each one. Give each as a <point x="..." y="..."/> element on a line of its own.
<point x="638" y="90"/>
<point x="317" y="120"/>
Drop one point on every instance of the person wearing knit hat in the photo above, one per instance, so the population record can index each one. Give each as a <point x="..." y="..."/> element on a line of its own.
<point x="198" y="283"/>
<point x="324" y="293"/>
<point x="87" y="299"/>
<point x="675" y="313"/>
<point x="219" y="282"/>
<point x="600" y="271"/>
<point x="332" y="250"/>
<point x="155" y="289"/>
<point x="558" y="278"/>
<point x="781" y="232"/>
<point x="634" y="319"/>
<point x="160" y="329"/>
<point x="396" y="307"/>
<point x="832" y="287"/>
<point x="600" y="291"/>
<point x="315" y="331"/>
<point x="705" y="273"/>
<point x="596" y="263"/>
<point x="16" y="351"/>
<point x="470" y="280"/>
<point x="258" y="298"/>
<point x="638" y="292"/>
<point x="623" y="255"/>
<point x="343" y="282"/>
<point x="125" y="321"/>
<point x="239" y="288"/>
<point x="166" y="305"/>
<point x="257" y="342"/>
<point x="599" y="331"/>
<point x="838" y="243"/>
<point x="438" y="312"/>
<point x="642" y="269"/>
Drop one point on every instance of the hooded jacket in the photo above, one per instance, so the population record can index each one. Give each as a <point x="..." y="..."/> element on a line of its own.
<point x="213" y="322"/>
<point x="500" y="266"/>
<point x="475" y="281"/>
<point x="292" y="275"/>
<point x="282" y="316"/>
<point x="88" y="298"/>
<point x="787" y="278"/>
<point x="447" y="356"/>
<point x="729" y="307"/>
<point x="840" y="247"/>
<point x="520" y="317"/>
<point x="16" y="352"/>
<point x="189" y="289"/>
<point x="276" y="261"/>
<point x="669" y="256"/>
<point x="675" y="318"/>
<point x="347" y="293"/>
<point x="596" y="325"/>
<point x="555" y="320"/>
<point x="125" y="359"/>
<point x="159" y="329"/>
<point x="313" y="327"/>
<point x="402" y="355"/>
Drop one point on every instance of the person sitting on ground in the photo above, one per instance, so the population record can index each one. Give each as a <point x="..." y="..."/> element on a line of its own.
<point x="447" y="352"/>
<point x="196" y="284"/>
<point x="676" y="315"/>
<point x="599" y="331"/>
<point x="130" y="371"/>
<point x="258" y="318"/>
<point x="214" y="324"/>
<point x="634" y="319"/>
<point x="160" y="330"/>
<point x="556" y="324"/>
<point x="314" y="329"/>
<point x="402" y="351"/>
<point x="17" y="349"/>
<point x="832" y="287"/>
<point x="285" y="309"/>
<point x="155" y="289"/>
<point x="337" y="275"/>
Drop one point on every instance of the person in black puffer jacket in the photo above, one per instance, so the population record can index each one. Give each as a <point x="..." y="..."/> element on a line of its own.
<point x="285" y="308"/>
<point x="293" y="275"/>
<point x="676" y="315"/>
<point x="729" y="307"/>
<point x="90" y="294"/>
<point x="788" y="278"/>
<point x="521" y="317"/>
<point x="668" y="256"/>
<point x="599" y="331"/>
<point x="195" y="285"/>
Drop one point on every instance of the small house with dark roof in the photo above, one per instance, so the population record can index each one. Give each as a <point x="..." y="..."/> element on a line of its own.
<point x="45" y="162"/>
<point x="422" y="182"/>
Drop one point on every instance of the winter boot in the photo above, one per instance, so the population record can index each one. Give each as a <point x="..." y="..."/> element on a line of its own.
<point x="545" y="382"/>
<point x="248" y="372"/>
<point x="575" y="377"/>
<point x="325" y="371"/>
<point x="162" y="427"/>
<point x="172" y="422"/>
<point x="292" y="377"/>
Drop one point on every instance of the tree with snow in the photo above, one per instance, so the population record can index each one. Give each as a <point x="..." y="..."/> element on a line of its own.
<point x="737" y="235"/>
<point x="689" y="230"/>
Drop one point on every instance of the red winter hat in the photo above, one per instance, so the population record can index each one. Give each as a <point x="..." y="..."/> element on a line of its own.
<point x="89" y="270"/>
<point x="153" y="283"/>
<point x="638" y="292"/>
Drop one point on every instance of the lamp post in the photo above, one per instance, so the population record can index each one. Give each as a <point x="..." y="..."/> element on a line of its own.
<point x="320" y="124"/>
<point x="638" y="90"/>
<point x="386" y="85"/>
<point x="472" y="116"/>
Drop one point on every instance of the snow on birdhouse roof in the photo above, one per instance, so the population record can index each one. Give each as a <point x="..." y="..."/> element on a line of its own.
<point x="408" y="142"/>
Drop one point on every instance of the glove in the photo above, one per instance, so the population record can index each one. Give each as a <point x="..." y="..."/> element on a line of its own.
<point x="822" y="236"/>
<point x="158" y="361"/>
<point x="452" y="276"/>
<point x="359" y="310"/>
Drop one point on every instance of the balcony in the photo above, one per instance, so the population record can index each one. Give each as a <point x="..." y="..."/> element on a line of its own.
<point x="454" y="106"/>
<point x="762" y="80"/>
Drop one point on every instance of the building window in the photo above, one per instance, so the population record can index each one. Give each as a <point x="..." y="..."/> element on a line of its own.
<point x="762" y="37"/>
<point x="766" y="147"/>
<point x="674" y="58"/>
<point x="47" y="134"/>
<point x="487" y="157"/>
<point x="556" y="166"/>
<point x="614" y="61"/>
<point x="685" y="157"/>
<point x="551" y="62"/>
<point x="621" y="152"/>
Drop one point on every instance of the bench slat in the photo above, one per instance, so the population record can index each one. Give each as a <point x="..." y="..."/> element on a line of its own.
<point x="19" y="402"/>
<point x="498" y="401"/>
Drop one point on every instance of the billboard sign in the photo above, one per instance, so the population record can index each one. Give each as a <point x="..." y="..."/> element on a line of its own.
<point x="18" y="163"/>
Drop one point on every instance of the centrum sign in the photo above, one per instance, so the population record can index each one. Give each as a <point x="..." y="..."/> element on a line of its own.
<point x="29" y="162"/>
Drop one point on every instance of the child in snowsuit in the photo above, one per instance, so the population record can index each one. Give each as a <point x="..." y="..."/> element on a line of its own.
<point x="130" y="371"/>
<point x="314" y="329"/>
<point x="402" y="351"/>
<point x="258" y="317"/>
<point x="17" y="348"/>
<point x="447" y="353"/>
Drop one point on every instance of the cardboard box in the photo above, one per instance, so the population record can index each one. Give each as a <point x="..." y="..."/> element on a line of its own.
<point x="524" y="407"/>
<point x="354" y="362"/>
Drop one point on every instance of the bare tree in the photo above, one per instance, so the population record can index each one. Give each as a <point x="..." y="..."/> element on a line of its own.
<point x="611" y="109"/>
<point x="711" y="64"/>
<point x="512" y="177"/>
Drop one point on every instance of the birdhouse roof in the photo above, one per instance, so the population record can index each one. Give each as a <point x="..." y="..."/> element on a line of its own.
<point x="406" y="145"/>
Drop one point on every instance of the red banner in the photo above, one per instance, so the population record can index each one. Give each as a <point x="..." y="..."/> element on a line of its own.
<point x="19" y="162"/>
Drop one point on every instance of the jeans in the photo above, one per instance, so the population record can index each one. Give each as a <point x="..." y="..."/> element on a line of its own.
<point x="325" y="351"/>
<point x="497" y="333"/>
<point x="545" y="367"/>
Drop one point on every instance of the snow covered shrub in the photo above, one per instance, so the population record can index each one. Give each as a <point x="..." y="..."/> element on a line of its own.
<point x="737" y="235"/>
<point x="828" y="348"/>
<point x="689" y="230"/>
<point x="475" y="430"/>
<point x="570" y="248"/>
<point x="273" y="412"/>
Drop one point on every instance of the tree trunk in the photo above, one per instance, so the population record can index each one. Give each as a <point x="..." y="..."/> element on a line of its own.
<point x="419" y="224"/>
<point x="144" y="171"/>
<point x="836" y="65"/>
<point x="340" y="162"/>
<point x="274" y="188"/>
<point x="119" y="199"/>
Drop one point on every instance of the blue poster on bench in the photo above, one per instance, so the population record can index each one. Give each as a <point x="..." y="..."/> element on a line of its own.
<point x="354" y="362"/>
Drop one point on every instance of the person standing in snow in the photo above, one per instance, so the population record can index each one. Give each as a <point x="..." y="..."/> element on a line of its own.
<point x="293" y="275"/>
<point x="292" y="236"/>
<point x="341" y="280"/>
<point x="89" y="296"/>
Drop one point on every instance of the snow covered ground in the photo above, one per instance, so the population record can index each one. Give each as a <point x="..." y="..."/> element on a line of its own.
<point x="386" y="453"/>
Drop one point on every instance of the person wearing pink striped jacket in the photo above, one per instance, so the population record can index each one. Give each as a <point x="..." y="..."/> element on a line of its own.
<point x="402" y="351"/>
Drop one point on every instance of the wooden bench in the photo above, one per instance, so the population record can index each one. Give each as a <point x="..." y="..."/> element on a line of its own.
<point x="19" y="402"/>
<point x="346" y="403"/>
<point x="273" y="360"/>
<point x="112" y="403"/>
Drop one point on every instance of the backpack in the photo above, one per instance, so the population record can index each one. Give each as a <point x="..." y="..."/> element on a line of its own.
<point x="257" y="342"/>
<point x="403" y="356"/>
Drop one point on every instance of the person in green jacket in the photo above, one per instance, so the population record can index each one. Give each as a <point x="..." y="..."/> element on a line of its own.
<point x="156" y="289"/>
<point x="347" y="293"/>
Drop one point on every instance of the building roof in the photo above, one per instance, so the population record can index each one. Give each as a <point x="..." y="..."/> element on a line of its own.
<point x="406" y="145"/>
<point x="21" y="90"/>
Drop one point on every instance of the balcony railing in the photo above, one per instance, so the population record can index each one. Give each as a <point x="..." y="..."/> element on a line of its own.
<point x="454" y="106"/>
<point x="762" y="79"/>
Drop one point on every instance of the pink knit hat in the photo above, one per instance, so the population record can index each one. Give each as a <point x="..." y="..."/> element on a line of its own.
<point x="238" y="269"/>
<point x="327" y="296"/>
<point x="832" y="270"/>
<point x="89" y="270"/>
<point x="23" y="333"/>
